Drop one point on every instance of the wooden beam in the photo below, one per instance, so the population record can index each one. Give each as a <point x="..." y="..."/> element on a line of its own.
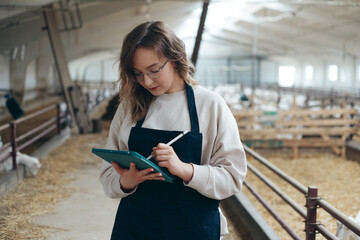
<point x="200" y="32"/>
<point x="299" y="112"/>
<point x="80" y="116"/>
<point x="279" y="143"/>
<point x="311" y="131"/>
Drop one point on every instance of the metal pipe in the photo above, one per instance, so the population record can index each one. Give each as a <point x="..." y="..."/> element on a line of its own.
<point x="311" y="2"/>
<point x="3" y="127"/>
<point x="35" y="114"/>
<point x="326" y="233"/>
<point x="58" y="119"/>
<point x="38" y="128"/>
<point x="5" y="146"/>
<point x="273" y="213"/>
<point x="339" y="216"/>
<point x="5" y="156"/>
<point x="275" y="169"/>
<point x="37" y="137"/>
<point x="63" y="14"/>
<point x="72" y="20"/>
<point x="278" y="191"/>
<point x="13" y="143"/>
<point x="78" y="14"/>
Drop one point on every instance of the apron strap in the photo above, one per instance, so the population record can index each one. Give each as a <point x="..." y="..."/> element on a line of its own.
<point x="192" y="110"/>
<point x="140" y="122"/>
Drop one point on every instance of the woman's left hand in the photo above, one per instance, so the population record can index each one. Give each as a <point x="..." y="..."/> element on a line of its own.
<point x="166" y="157"/>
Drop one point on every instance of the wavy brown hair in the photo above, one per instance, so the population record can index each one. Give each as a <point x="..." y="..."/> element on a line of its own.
<point x="157" y="36"/>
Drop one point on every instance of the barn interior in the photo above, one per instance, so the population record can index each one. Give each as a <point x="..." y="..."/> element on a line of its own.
<point x="289" y="70"/>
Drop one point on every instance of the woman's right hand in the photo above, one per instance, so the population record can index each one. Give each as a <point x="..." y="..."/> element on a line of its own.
<point x="132" y="177"/>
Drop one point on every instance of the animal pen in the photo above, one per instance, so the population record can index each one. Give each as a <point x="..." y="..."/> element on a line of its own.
<point x="309" y="214"/>
<point x="312" y="203"/>
<point x="298" y="128"/>
<point x="52" y="122"/>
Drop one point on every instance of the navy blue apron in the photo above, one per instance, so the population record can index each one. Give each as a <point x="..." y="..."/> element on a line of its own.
<point x="167" y="211"/>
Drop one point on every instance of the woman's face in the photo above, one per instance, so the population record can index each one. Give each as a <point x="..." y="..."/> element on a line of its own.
<point x="147" y="62"/>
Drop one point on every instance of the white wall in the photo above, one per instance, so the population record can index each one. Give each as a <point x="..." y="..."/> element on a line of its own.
<point x="4" y="82"/>
<point x="4" y="72"/>
<point x="348" y="72"/>
<point x="102" y="70"/>
<point x="30" y="81"/>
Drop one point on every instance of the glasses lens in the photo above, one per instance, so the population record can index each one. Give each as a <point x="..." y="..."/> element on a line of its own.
<point x="153" y="75"/>
<point x="138" y="77"/>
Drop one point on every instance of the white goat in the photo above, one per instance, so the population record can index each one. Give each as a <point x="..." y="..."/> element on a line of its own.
<point x="32" y="163"/>
<point x="344" y="233"/>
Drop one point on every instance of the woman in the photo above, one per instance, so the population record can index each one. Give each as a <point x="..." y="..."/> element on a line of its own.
<point x="158" y="100"/>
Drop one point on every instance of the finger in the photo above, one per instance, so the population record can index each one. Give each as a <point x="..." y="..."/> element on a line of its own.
<point x="163" y="164"/>
<point x="154" y="176"/>
<point x="132" y="166"/>
<point x="153" y="153"/>
<point x="119" y="169"/>
<point x="163" y="157"/>
<point x="146" y="171"/>
<point x="163" y="152"/>
<point x="162" y="146"/>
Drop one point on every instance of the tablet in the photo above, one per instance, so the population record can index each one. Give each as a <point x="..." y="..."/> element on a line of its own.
<point x="124" y="158"/>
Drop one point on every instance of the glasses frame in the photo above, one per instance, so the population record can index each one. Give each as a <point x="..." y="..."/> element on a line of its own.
<point x="148" y="73"/>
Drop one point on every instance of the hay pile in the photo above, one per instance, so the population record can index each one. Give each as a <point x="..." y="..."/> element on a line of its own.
<point x="338" y="182"/>
<point x="38" y="195"/>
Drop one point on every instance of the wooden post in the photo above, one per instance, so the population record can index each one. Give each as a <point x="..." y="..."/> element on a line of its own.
<point x="252" y="105"/>
<point x="294" y="102"/>
<point x="295" y="152"/>
<point x="344" y="117"/>
<point x="296" y="148"/>
<point x="311" y="206"/>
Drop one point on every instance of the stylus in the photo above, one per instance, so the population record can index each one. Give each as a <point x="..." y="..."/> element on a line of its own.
<point x="172" y="141"/>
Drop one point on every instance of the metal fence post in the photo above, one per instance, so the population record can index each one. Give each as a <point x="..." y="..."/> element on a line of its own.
<point x="311" y="206"/>
<point x="13" y="143"/>
<point x="58" y="118"/>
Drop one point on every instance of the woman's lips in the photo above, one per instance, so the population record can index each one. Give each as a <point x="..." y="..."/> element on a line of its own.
<point x="153" y="89"/>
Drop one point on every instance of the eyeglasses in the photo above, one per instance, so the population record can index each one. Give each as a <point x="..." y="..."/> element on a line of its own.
<point x="152" y="73"/>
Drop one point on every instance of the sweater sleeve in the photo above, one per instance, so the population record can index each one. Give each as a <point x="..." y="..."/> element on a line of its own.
<point x="109" y="178"/>
<point x="223" y="175"/>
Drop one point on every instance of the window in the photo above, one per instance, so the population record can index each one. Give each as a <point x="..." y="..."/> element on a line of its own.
<point x="286" y="76"/>
<point x="309" y="71"/>
<point x="333" y="73"/>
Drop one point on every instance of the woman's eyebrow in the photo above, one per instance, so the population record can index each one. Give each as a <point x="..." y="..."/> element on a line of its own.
<point x="152" y="65"/>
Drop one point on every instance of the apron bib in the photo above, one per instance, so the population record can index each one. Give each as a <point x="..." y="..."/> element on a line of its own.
<point x="162" y="210"/>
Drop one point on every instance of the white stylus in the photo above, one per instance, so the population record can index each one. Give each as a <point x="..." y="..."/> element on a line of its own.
<point x="172" y="141"/>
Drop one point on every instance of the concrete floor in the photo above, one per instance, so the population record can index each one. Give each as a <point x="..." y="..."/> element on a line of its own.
<point x="86" y="214"/>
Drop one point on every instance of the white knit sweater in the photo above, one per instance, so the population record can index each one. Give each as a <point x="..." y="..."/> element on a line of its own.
<point x="223" y="161"/>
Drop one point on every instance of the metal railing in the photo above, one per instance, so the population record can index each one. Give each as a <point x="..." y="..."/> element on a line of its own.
<point x="36" y="133"/>
<point x="312" y="226"/>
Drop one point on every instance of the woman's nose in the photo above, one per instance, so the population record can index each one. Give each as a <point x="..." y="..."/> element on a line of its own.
<point x="147" y="80"/>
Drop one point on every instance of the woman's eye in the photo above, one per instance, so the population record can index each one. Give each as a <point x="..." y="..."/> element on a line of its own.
<point x="137" y="74"/>
<point x="154" y="70"/>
